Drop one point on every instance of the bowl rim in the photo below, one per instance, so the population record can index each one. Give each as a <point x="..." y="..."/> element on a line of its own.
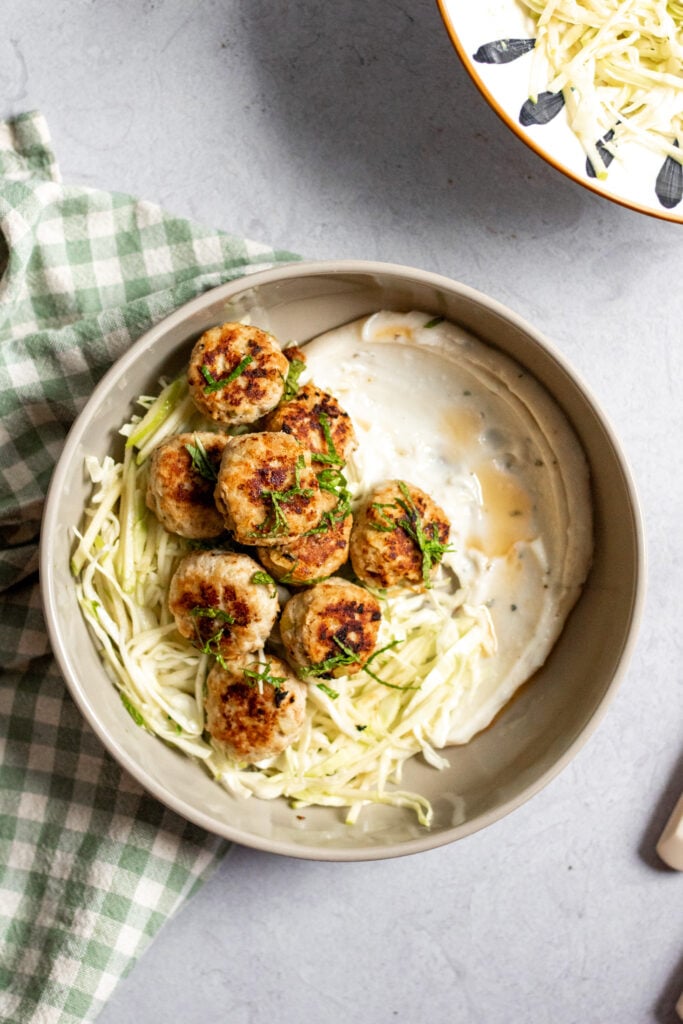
<point x="47" y="568"/>
<point x="546" y="155"/>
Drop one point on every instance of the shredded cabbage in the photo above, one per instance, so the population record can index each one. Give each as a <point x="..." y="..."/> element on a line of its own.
<point x="618" y="65"/>
<point x="359" y="730"/>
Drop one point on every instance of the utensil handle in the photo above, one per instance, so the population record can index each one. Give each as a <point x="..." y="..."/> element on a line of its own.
<point x="670" y="849"/>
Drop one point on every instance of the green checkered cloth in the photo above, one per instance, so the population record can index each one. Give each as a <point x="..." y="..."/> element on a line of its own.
<point x="90" y="865"/>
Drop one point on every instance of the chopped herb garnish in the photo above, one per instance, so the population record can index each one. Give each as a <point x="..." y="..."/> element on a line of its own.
<point x="215" y="385"/>
<point x="276" y="520"/>
<point x="253" y="676"/>
<point x="211" y="644"/>
<point x="345" y="657"/>
<point x="131" y="709"/>
<point x="310" y="581"/>
<point x="381" y="650"/>
<point x="334" y="482"/>
<point x="435" y="322"/>
<point x="262" y="577"/>
<point x="331" y="456"/>
<point x="387" y="524"/>
<point x="296" y="368"/>
<point x="201" y="461"/>
<point x="332" y="694"/>
<point x="430" y="547"/>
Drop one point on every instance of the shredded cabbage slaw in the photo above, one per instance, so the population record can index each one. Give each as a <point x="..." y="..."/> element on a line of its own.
<point x="618" y="65"/>
<point x="358" y="732"/>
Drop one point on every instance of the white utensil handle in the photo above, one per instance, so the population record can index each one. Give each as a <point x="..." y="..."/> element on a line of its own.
<point x="670" y="845"/>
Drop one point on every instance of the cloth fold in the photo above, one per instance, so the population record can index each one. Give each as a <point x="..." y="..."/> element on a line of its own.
<point x="90" y="864"/>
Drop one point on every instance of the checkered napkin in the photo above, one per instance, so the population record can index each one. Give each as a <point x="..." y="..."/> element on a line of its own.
<point x="90" y="865"/>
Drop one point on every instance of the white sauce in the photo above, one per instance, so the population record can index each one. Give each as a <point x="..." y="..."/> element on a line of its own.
<point x="437" y="408"/>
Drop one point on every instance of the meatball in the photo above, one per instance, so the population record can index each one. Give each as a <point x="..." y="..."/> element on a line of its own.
<point x="236" y="373"/>
<point x="254" y="706"/>
<point x="398" y="538"/>
<point x="267" y="490"/>
<point x="219" y="606"/>
<point x="331" y="629"/>
<point x="182" y="477"/>
<point x="317" y="420"/>
<point x="312" y="557"/>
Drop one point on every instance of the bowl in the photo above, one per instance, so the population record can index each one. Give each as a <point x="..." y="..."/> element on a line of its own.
<point x="495" y="39"/>
<point x="539" y="731"/>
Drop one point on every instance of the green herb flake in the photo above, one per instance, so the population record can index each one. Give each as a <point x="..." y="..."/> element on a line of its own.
<point x="331" y="456"/>
<point x="434" y="323"/>
<point x="345" y="657"/>
<point x="383" y="682"/>
<point x="264" y="579"/>
<point x="386" y="524"/>
<point x="211" y="645"/>
<point x="275" y="521"/>
<point x="332" y="480"/>
<point x="216" y="385"/>
<point x="201" y="462"/>
<point x="253" y="676"/>
<point x="328" y="691"/>
<point x="296" y="368"/>
<point x="132" y="710"/>
<point x="431" y="547"/>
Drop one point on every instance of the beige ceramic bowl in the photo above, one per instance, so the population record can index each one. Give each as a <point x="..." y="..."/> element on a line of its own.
<point x="539" y="732"/>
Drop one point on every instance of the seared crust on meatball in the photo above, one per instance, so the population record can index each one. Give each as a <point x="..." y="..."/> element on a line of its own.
<point x="312" y="557"/>
<point x="217" y="604"/>
<point x="249" y="716"/>
<point x="331" y="629"/>
<point x="179" y="494"/>
<point x="236" y="373"/>
<point x="267" y="489"/>
<point x="308" y="415"/>
<point x="294" y="353"/>
<point x="383" y="548"/>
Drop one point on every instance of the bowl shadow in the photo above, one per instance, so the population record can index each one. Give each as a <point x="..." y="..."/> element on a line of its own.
<point x="377" y="101"/>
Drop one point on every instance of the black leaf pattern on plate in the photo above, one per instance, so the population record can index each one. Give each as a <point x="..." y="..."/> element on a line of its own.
<point x="547" y="106"/>
<point x="502" y="51"/>
<point x="603" y="152"/>
<point x="669" y="184"/>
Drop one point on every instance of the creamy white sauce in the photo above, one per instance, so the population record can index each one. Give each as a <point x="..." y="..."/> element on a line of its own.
<point x="438" y="408"/>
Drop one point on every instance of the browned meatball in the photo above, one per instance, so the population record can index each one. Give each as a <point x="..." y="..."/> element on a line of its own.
<point x="398" y="538"/>
<point x="219" y="606"/>
<point x="267" y="489"/>
<point x="312" y="557"/>
<point x="331" y="629"/>
<point x="182" y="477"/>
<point x="254" y="706"/>
<point x="317" y="420"/>
<point x="236" y="373"/>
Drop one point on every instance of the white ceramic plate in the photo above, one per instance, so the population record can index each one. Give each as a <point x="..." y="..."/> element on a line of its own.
<point x="494" y="39"/>
<point x="549" y="719"/>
